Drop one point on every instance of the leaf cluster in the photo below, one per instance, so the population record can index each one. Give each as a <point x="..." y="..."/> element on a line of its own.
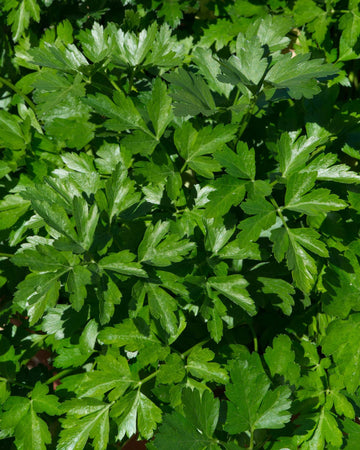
<point x="179" y="224"/>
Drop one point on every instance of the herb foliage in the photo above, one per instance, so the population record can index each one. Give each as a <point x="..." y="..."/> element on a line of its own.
<point x="179" y="224"/>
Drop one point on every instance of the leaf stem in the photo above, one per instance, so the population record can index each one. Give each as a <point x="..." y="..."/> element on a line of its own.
<point x="6" y="255"/>
<point x="251" y="445"/>
<point x="278" y="210"/>
<point x="199" y="344"/>
<point x="255" y="339"/>
<point x="17" y="91"/>
<point x="58" y="376"/>
<point x="148" y="378"/>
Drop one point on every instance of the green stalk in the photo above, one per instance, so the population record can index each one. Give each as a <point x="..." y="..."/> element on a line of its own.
<point x="251" y="445"/>
<point x="5" y="255"/>
<point x="17" y="91"/>
<point x="58" y="376"/>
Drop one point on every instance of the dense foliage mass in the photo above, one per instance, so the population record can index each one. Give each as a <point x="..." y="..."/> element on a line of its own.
<point x="179" y="224"/>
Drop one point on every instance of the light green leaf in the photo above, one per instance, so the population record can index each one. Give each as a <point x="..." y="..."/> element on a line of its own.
<point x="112" y="374"/>
<point x="122" y="262"/>
<point x="327" y="432"/>
<point x="327" y="170"/>
<point x="163" y="306"/>
<point x="38" y="292"/>
<point x="95" y="43"/>
<point x="248" y="66"/>
<point x="193" y="145"/>
<point x="66" y="59"/>
<point x="210" y="68"/>
<point x="159" y="108"/>
<point x="131" y="334"/>
<point x="298" y="75"/>
<point x="350" y="26"/>
<point x="120" y="192"/>
<point x="121" y="112"/>
<point x="199" y="365"/>
<point x="79" y="277"/>
<point x="172" y="371"/>
<point x="264" y="216"/>
<point x="130" y="49"/>
<point x="342" y="344"/>
<point x="135" y="412"/>
<point x="159" y="248"/>
<point x="281" y="359"/>
<point x="20" y="16"/>
<point x="228" y="192"/>
<point x="86" y="220"/>
<point x="12" y="135"/>
<point x="234" y="288"/>
<point x="85" y="418"/>
<point x="294" y="151"/>
<point x="240" y="164"/>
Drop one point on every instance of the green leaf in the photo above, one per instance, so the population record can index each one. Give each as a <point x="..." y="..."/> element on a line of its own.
<point x="131" y="50"/>
<point x="121" y="112"/>
<point x="159" y="248"/>
<point x="193" y="145"/>
<point x="12" y="207"/>
<point x="194" y="428"/>
<point x="228" y="192"/>
<point x="95" y="43"/>
<point x="341" y="343"/>
<point x="12" y="135"/>
<point x="252" y="405"/>
<point x="131" y="334"/>
<point x="86" y="220"/>
<point x="163" y="306"/>
<point x="171" y="11"/>
<point x="20" y="16"/>
<point x="67" y="59"/>
<point x="233" y="287"/>
<point x="327" y="170"/>
<point x="217" y="234"/>
<point x="135" y="412"/>
<point x="240" y="164"/>
<point x="20" y="418"/>
<point x="120" y="192"/>
<point x="210" y="69"/>
<point x="55" y="216"/>
<point x="190" y="93"/>
<point x="281" y="289"/>
<point x="122" y="262"/>
<point x="294" y="151"/>
<point x="85" y="418"/>
<point x="327" y="431"/>
<point x="280" y="359"/>
<point x="303" y="266"/>
<point x="79" y="277"/>
<point x="38" y="292"/>
<point x="199" y="365"/>
<point x="159" y="108"/>
<point x="349" y="40"/>
<point x="112" y="375"/>
<point x="58" y="98"/>
<point x="317" y="201"/>
<point x="248" y="66"/>
<point x="263" y="217"/>
<point x="172" y="371"/>
<point x="298" y="75"/>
